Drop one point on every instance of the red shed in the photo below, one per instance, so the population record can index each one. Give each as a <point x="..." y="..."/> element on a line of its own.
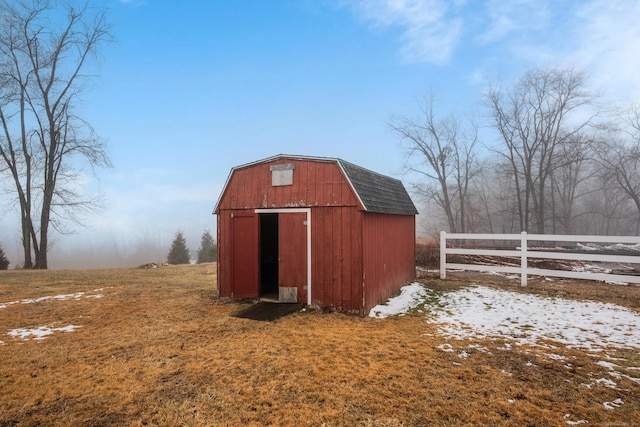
<point x="320" y="231"/>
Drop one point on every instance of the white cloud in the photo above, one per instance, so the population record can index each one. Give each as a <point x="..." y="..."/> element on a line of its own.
<point x="601" y="37"/>
<point x="429" y="32"/>
<point x="504" y="18"/>
<point x="608" y="41"/>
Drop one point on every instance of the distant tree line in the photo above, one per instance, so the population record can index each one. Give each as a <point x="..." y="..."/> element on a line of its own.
<point x="179" y="253"/>
<point x="551" y="159"/>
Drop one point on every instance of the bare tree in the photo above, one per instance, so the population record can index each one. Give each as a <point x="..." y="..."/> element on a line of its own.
<point x="43" y="49"/>
<point x="571" y="169"/>
<point x="623" y="164"/>
<point x="620" y="158"/>
<point x="535" y="119"/>
<point x="604" y="209"/>
<point x="443" y="152"/>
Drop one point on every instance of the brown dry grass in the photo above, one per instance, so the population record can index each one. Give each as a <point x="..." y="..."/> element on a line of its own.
<point x="159" y="349"/>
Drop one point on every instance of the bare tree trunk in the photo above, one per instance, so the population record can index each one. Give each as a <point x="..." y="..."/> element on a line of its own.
<point x="41" y="64"/>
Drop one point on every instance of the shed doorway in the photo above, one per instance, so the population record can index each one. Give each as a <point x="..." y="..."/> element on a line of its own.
<point x="269" y="255"/>
<point x="284" y="255"/>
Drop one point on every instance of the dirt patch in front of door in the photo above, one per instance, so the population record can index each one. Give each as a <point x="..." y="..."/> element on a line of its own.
<point x="268" y="311"/>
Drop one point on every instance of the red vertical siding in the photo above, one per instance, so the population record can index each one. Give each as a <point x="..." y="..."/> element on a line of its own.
<point x="389" y="253"/>
<point x="315" y="183"/>
<point x="358" y="258"/>
<point x="293" y="253"/>
<point x="336" y="258"/>
<point x="223" y="265"/>
<point x="244" y="255"/>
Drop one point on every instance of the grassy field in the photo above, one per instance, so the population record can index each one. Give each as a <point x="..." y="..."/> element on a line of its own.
<point x="156" y="347"/>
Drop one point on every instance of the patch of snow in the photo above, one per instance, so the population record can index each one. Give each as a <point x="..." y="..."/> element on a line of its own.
<point x="614" y="247"/>
<point x="607" y="365"/>
<point x="553" y="356"/>
<point x="606" y="382"/>
<point x="575" y="423"/>
<point x="39" y="333"/>
<point x="480" y="348"/>
<point x="588" y="247"/>
<point x="7" y="304"/>
<point x="63" y="297"/>
<point x="614" y="282"/>
<point x="486" y="312"/>
<point x="410" y="296"/>
<point x="590" y="268"/>
<point x="624" y="247"/>
<point x="447" y="348"/>
<point x="613" y="405"/>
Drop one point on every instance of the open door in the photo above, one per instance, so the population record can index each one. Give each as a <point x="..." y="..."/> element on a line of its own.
<point x="244" y="256"/>
<point x="292" y="249"/>
<point x="269" y="255"/>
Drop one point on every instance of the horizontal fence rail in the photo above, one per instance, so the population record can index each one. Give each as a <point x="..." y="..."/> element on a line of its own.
<point x="524" y="252"/>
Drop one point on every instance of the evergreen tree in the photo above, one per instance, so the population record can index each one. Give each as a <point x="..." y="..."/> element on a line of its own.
<point x="4" y="262"/>
<point x="178" y="254"/>
<point x="207" y="251"/>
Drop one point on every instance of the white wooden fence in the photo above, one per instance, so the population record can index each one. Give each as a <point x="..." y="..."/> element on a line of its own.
<point x="524" y="255"/>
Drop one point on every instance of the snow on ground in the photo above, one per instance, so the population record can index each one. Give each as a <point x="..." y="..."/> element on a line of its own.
<point x="486" y="312"/>
<point x="480" y="311"/>
<point x="614" y="247"/>
<point x="483" y="312"/>
<point x="40" y="333"/>
<point x="410" y="296"/>
<point x="43" y="332"/>
<point x="64" y="297"/>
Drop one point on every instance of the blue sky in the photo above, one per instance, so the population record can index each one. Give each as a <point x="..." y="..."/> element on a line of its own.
<point x="190" y="89"/>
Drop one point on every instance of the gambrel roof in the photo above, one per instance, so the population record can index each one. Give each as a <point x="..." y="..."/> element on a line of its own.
<point x="376" y="192"/>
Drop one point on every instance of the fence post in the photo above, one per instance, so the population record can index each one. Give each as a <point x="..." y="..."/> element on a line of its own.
<point x="523" y="259"/>
<point x="443" y="255"/>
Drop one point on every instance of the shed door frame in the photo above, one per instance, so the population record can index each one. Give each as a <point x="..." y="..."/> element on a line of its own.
<point x="308" y="212"/>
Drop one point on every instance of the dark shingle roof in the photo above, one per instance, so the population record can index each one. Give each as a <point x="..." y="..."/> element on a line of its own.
<point x="377" y="192"/>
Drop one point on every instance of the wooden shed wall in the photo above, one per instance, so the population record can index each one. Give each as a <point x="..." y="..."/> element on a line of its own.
<point x="315" y="183"/>
<point x="389" y="255"/>
<point x="336" y="263"/>
<point x="337" y="258"/>
<point x="351" y="248"/>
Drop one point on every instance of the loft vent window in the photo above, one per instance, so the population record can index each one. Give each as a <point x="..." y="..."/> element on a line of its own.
<point x="282" y="174"/>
